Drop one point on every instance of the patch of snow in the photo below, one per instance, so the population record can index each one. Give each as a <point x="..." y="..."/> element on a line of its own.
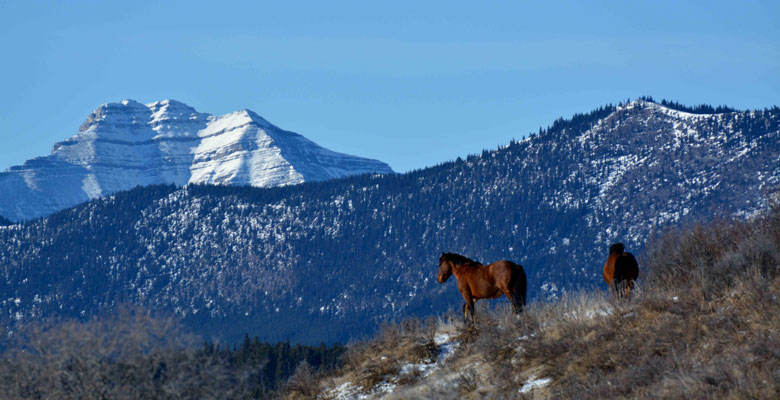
<point x="91" y="187"/>
<point x="424" y="368"/>
<point x="675" y="113"/>
<point x="441" y="338"/>
<point x="344" y="391"/>
<point x="597" y="312"/>
<point x="379" y="390"/>
<point x="619" y="167"/>
<point x="588" y="313"/>
<point x="550" y="290"/>
<point x="446" y="350"/>
<point x="348" y="391"/>
<point x="534" y="383"/>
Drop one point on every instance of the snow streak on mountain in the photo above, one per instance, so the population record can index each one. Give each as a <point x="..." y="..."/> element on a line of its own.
<point x="128" y="144"/>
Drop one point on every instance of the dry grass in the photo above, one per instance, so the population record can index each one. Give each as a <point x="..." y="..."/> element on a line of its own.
<point x="705" y="323"/>
<point x="130" y="355"/>
<point x="371" y="362"/>
<point x="303" y="384"/>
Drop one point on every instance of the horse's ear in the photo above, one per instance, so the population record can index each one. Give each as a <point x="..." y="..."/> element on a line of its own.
<point x="442" y="254"/>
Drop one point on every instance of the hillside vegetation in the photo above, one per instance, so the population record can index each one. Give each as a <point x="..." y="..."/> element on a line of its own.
<point x="329" y="261"/>
<point x="133" y="354"/>
<point x="704" y="323"/>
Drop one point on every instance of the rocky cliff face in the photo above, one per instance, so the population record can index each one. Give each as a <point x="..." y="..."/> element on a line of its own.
<point x="128" y="144"/>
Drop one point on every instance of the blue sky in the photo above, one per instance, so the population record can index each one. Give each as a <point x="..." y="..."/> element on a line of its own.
<point x="410" y="83"/>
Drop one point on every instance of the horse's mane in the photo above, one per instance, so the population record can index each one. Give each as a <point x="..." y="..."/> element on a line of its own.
<point x="458" y="259"/>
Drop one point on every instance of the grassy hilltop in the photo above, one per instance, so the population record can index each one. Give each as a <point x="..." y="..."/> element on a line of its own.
<point x="704" y="323"/>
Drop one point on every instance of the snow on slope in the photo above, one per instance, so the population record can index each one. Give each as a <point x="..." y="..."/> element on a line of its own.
<point x="127" y="144"/>
<point x="552" y="201"/>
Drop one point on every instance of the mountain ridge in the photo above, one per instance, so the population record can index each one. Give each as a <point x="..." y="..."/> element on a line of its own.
<point x="330" y="260"/>
<point x="127" y="144"/>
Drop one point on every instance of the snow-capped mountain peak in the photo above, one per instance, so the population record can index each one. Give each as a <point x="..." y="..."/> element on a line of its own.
<point x="127" y="144"/>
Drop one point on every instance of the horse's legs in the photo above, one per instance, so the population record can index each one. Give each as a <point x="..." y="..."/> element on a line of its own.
<point x="629" y="288"/>
<point x="515" y="301"/>
<point x="468" y="311"/>
<point x="468" y="308"/>
<point x="617" y="286"/>
<point x="520" y="304"/>
<point x="623" y="288"/>
<point x="508" y="288"/>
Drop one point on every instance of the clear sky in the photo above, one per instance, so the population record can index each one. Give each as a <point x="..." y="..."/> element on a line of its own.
<point x="410" y="83"/>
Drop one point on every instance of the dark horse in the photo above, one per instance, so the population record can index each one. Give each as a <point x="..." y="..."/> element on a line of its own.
<point x="477" y="281"/>
<point x="620" y="270"/>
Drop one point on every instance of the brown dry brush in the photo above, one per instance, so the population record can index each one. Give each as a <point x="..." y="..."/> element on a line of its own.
<point x="303" y="384"/>
<point x="704" y="323"/>
<point x="129" y="355"/>
<point x="409" y="341"/>
<point x="370" y="362"/>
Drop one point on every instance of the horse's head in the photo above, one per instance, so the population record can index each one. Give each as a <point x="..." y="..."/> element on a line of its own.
<point x="617" y="248"/>
<point x="445" y="268"/>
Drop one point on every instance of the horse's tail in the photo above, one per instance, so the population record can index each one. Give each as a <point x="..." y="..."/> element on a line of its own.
<point x="626" y="270"/>
<point x="520" y="284"/>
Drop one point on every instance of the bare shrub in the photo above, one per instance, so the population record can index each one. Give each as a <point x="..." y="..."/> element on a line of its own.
<point x="303" y="384"/>
<point x="703" y="328"/>
<point x="130" y="355"/>
<point x="409" y="341"/>
<point x="467" y="382"/>
<point x="710" y="258"/>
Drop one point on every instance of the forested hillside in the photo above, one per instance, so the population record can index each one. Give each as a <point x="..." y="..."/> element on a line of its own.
<point x="330" y="260"/>
<point x="131" y="353"/>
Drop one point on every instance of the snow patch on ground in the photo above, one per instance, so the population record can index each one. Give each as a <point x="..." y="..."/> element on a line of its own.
<point x="590" y="311"/>
<point x="534" y="383"/>
<point x="447" y="348"/>
<point x="349" y="391"/>
<point x="443" y="340"/>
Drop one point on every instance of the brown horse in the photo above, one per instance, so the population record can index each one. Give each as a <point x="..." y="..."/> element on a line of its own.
<point x="477" y="281"/>
<point x="621" y="270"/>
